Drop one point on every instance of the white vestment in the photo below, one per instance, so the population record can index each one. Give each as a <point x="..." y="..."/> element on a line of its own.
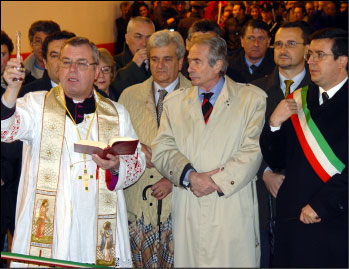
<point x="75" y="229"/>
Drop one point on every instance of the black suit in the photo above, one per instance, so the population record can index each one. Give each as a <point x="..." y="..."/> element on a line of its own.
<point x="239" y="71"/>
<point x="324" y="244"/>
<point x="128" y="72"/>
<point x="42" y="84"/>
<point x="271" y="85"/>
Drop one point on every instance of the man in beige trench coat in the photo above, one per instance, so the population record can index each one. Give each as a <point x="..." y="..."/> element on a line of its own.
<point x="212" y="162"/>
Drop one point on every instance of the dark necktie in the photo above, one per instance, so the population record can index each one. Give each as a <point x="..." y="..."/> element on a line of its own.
<point x="162" y="95"/>
<point x="325" y="97"/>
<point x="206" y="106"/>
<point x="288" y="87"/>
<point x="254" y="68"/>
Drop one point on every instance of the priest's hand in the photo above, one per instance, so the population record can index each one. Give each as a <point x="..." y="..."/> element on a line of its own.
<point x="201" y="184"/>
<point x="282" y="112"/>
<point x="14" y="79"/>
<point x="308" y="215"/>
<point x="161" y="188"/>
<point x="273" y="181"/>
<point x="147" y="152"/>
<point x="112" y="163"/>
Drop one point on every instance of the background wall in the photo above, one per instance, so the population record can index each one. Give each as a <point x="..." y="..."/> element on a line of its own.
<point x="92" y="19"/>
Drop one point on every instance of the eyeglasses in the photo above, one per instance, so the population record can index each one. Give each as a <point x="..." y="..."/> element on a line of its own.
<point x="290" y="44"/>
<point x="317" y="55"/>
<point x="81" y="65"/>
<point x="253" y="38"/>
<point x="106" y="69"/>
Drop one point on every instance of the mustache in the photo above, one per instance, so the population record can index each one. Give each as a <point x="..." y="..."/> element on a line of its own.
<point x="284" y="55"/>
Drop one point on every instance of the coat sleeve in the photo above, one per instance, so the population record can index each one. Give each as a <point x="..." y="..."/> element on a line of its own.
<point x="242" y="167"/>
<point x="131" y="166"/>
<point x="22" y="123"/>
<point x="166" y="157"/>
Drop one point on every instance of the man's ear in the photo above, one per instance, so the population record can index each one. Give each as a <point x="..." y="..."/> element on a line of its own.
<point x="218" y="66"/>
<point x="343" y="60"/>
<point x="45" y="63"/>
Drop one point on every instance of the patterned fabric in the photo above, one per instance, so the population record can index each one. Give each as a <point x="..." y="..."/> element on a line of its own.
<point x="288" y="86"/>
<point x="207" y="106"/>
<point x="146" y="250"/>
<point x="162" y="95"/>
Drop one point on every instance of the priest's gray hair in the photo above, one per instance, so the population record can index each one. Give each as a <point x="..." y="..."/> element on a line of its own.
<point x="79" y="41"/>
<point x="139" y="19"/>
<point x="164" y="38"/>
<point x="217" y="49"/>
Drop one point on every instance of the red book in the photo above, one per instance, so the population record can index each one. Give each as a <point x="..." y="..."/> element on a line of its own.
<point x="116" y="146"/>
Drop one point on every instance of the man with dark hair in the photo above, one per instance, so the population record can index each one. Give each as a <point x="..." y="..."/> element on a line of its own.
<point x="50" y="50"/>
<point x="307" y="137"/>
<point x="239" y="13"/>
<point x="199" y="27"/>
<point x="38" y="31"/>
<point x="254" y="60"/>
<point x="291" y="43"/>
<point x="6" y="50"/>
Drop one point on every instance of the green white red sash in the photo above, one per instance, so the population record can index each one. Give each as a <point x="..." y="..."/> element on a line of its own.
<point x="316" y="149"/>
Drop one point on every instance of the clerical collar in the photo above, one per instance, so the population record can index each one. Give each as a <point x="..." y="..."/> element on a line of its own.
<point x="54" y="84"/>
<point x="332" y="91"/>
<point x="78" y="110"/>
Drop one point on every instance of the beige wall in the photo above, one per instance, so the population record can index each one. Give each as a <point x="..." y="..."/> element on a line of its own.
<point x="91" y="19"/>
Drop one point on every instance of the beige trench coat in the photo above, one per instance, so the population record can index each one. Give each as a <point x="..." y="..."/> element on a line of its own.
<point x="139" y="101"/>
<point x="214" y="231"/>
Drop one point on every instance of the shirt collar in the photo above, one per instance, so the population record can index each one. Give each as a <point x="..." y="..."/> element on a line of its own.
<point x="333" y="90"/>
<point x="216" y="90"/>
<point x="169" y="88"/>
<point x="256" y="64"/>
<point x="297" y="79"/>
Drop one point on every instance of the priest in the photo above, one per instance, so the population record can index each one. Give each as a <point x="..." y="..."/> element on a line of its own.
<point x="65" y="198"/>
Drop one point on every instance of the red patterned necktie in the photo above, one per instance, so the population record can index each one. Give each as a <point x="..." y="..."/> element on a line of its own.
<point x="206" y="106"/>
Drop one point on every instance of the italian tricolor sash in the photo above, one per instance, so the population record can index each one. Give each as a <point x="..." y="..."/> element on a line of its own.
<point x="316" y="149"/>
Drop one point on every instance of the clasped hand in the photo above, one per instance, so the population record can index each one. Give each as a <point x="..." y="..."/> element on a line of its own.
<point x="282" y="112"/>
<point x="201" y="184"/>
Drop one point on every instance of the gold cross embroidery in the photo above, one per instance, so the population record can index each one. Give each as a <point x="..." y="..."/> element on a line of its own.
<point x="85" y="177"/>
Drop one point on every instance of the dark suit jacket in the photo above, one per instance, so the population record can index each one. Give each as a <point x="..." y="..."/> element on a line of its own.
<point x="42" y="84"/>
<point x="128" y="73"/>
<point x="239" y="71"/>
<point x="324" y="244"/>
<point x="271" y="85"/>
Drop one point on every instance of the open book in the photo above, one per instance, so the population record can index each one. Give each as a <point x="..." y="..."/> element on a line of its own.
<point x="116" y="146"/>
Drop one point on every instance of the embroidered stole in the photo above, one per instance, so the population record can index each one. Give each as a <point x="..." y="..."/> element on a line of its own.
<point x="316" y="149"/>
<point x="52" y="137"/>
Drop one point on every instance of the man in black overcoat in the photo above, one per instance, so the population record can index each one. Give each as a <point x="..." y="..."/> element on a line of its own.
<point x="312" y="202"/>
<point x="292" y="42"/>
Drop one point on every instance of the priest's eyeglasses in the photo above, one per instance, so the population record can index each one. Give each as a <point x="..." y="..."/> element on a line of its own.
<point x="81" y="65"/>
<point x="106" y="69"/>
<point x="317" y="55"/>
<point x="290" y="44"/>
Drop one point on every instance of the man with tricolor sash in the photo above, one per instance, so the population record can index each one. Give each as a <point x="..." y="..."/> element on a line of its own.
<point x="307" y="136"/>
<point x="70" y="205"/>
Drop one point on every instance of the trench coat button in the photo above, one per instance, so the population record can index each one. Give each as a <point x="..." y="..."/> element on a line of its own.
<point x="232" y="182"/>
<point x="151" y="176"/>
<point x="151" y="204"/>
<point x="222" y="169"/>
<point x="257" y="244"/>
<point x="171" y="173"/>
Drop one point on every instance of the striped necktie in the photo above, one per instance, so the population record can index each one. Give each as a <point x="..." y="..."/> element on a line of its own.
<point x="162" y="95"/>
<point x="206" y="106"/>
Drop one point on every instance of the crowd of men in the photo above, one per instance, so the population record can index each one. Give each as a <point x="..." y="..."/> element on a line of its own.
<point x="242" y="122"/>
